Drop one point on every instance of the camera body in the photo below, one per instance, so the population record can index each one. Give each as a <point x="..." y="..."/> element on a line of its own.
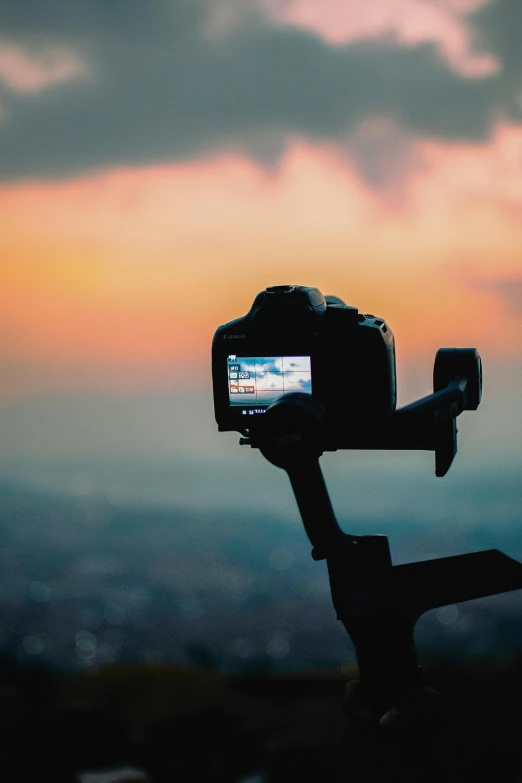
<point x="294" y="339"/>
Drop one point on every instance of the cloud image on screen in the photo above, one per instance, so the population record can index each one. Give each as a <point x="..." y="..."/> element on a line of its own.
<point x="259" y="380"/>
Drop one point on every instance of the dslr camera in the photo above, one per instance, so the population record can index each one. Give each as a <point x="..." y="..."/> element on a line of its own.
<point x="294" y="339"/>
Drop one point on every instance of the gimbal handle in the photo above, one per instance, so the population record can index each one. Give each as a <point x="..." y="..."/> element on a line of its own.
<point x="360" y="571"/>
<point x="378" y="603"/>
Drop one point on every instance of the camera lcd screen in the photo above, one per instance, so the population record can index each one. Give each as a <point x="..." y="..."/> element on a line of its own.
<point x="255" y="381"/>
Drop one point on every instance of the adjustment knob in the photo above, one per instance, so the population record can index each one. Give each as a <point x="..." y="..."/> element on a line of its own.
<point x="454" y="363"/>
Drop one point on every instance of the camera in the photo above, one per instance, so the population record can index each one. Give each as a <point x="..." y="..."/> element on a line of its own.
<point x="294" y="339"/>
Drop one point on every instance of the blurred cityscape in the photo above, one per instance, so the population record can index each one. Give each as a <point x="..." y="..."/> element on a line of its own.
<point x="89" y="581"/>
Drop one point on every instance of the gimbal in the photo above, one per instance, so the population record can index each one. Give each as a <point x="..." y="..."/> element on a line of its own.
<point x="377" y="602"/>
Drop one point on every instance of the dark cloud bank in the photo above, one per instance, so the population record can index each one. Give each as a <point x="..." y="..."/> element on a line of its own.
<point x="163" y="89"/>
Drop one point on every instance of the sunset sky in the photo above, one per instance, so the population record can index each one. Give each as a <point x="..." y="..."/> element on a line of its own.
<point x="162" y="161"/>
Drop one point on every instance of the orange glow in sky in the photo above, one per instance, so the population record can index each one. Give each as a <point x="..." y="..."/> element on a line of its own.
<point x="114" y="278"/>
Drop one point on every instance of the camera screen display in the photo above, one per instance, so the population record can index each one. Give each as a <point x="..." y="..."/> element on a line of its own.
<point x="259" y="380"/>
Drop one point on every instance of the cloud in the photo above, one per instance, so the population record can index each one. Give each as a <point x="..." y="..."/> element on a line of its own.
<point x="497" y="29"/>
<point x="170" y="85"/>
<point x="30" y="72"/>
<point x="409" y="22"/>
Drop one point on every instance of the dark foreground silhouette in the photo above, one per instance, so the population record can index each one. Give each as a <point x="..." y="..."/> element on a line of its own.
<point x="181" y="724"/>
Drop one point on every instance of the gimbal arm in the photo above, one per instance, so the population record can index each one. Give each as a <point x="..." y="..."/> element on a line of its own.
<point x="428" y="424"/>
